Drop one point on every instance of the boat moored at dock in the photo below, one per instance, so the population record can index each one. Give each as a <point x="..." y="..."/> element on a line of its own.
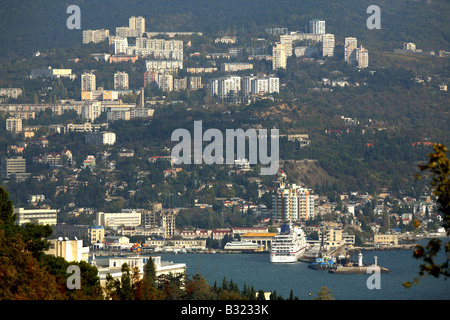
<point x="288" y="245"/>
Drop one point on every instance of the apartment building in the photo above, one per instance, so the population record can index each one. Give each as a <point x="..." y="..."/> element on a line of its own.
<point x="317" y="26"/>
<point x="362" y="57"/>
<point x="121" y="81"/>
<point x="138" y="24"/>
<point x="260" y="85"/>
<point x="159" y="49"/>
<point x="10" y="92"/>
<point x="292" y="203"/>
<point x="163" y="65"/>
<point x="279" y="57"/>
<point x="95" y="36"/>
<point x="14" y="168"/>
<point x="163" y="218"/>
<point x="235" y="66"/>
<point x="120" y="45"/>
<point x="38" y="216"/>
<point x="14" y="125"/>
<point x="88" y="82"/>
<point x="328" y="43"/>
<point x="127" y="218"/>
<point x="350" y="45"/>
<point x="49" y="72"/>
<point x="101" y="138"/>
<point x="287" y="41"/>
<point x="70" y="250"/>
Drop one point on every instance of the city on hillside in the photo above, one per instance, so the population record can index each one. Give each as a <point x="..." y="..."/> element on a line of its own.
<point x="86" y="144"/>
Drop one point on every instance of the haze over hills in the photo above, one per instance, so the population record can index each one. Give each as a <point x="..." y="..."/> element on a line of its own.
<point x="36" y="25"/>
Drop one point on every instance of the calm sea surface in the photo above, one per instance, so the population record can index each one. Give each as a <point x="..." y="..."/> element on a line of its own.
<point x="256" y="270"/>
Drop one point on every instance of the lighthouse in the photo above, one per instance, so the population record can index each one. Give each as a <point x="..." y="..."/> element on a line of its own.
<point x="360" y="260"/>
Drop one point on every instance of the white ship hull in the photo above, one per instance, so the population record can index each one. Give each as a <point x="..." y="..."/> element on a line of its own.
<point x="287" y="257"/>
<point x="288" y="245"/>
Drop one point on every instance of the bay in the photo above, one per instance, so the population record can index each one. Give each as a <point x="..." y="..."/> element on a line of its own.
<point x="256" y="271"/>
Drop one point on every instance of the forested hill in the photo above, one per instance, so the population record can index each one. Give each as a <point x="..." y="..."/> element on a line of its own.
<point x="29" y="25"/>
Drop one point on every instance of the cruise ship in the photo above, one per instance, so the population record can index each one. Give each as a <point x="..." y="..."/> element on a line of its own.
<point x="288" y="245"/>
<point x="243" y="246"/>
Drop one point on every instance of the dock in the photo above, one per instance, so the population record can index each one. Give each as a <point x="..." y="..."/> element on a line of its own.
<point x="357" y="269"/>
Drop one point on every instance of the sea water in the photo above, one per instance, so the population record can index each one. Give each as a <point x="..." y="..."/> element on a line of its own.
<point x="255" y="270"/>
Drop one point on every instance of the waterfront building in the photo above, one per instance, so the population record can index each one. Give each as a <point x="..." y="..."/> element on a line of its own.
<point x="385" y="239"/>
<point x="292" y="203"/>
<point x="70" y="250"/>
<point x="261" y="238"/>
<point x="38" y="216"/>
<point x="113" y="266"/>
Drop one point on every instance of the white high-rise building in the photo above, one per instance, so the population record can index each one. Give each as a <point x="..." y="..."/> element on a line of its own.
<point x="350" y="45"/>
<point x="292" y="203"/>
<point x="121" y="81"/>
<point x="287" y="41"/>
<point x="260" y="85"/>
<point x="317" y="26"/>
<point x="328" y="45"/>
<point x="158" y="48"/>
<point x="120" y="45"/>
<point x="91" y="111"/>
<point x="279" y="57"/>
<point x="101" y="138"/>
<point x="362" y="57"/>
<point x="137" y="23"/>
<point x="88" y="82"/>
<point x="165" y="82"/>
<point x="228" y="86"/>
<point x="95" y="36"/>
<point x="14" y="125"/>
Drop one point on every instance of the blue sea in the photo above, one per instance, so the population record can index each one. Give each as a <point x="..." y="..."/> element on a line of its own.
<point x="256" y="271"/>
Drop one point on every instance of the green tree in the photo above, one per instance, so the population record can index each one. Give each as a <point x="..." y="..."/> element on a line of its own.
<point x="438" y="167"/>
<point x="324" y="294"/>
<point x="123" y="289"/>
<point x="7" y="215"/>
<point x="21" y="275"/>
